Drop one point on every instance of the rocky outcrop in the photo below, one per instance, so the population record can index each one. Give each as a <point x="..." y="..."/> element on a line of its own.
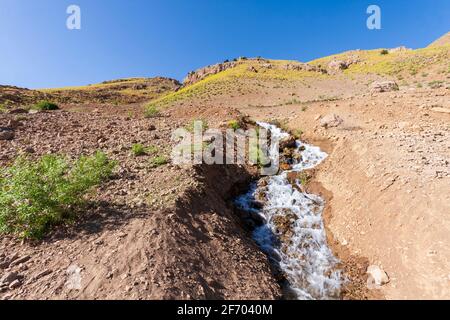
<point x="383" y="86"/>
<point x="299" y="66"/>
<point x="330" y="121"/>
<point x="200" y="74"/>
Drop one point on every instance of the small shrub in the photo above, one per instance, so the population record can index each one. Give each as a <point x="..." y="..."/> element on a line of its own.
<point x="158" y="161"/>
<point x="297" y="134"/>
<point x="45" y="106"/>
<point x="138" y="150"/>
<point x="384" y="52"/>
<point x="151" y="111"/>
<point x="304" y="178"/>
<point x="234" y="124"/>
<point x="35" y="195"/>
<point x="424" y="74"/>
<point x="2" y="108"/>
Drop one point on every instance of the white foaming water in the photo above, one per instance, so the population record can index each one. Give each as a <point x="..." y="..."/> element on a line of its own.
<point x="305" y="259"/>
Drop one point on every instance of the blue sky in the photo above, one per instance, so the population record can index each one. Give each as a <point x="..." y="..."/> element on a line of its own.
<point x="128" y="38"/>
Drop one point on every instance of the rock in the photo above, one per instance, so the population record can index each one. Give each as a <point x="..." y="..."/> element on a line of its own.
<point x="29" y="150"/>
<point x="330" y="121"/>
<point x="285" y="166"/>
<point x="15" y="284"/>
<point x="440" y="110"/>
<point x="288" y="142"/>
<point x="151" y="128"/>
<point x="19" y="261"/>
<point x="377" y="276"/>
<point x="73" y="277"/>
<point x="6" y="134"/>
<point x="383" y="86"/>
<point x="42" y="274"/>
<point x="9" y="278"/>
<point x="202" y="73"/>
<point x="337" y="65"/>
<point x="18" y="111"/>
<point x="14" y="124"/>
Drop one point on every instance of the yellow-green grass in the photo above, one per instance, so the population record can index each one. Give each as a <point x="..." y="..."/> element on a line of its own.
<point x="231" y="78"/>
<point x="402" y="61"/>
<point x="104" y="85"/>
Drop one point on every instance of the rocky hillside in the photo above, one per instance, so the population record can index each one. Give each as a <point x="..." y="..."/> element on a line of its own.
<point x="158" y="230"/>
<point x="122" y="91"/>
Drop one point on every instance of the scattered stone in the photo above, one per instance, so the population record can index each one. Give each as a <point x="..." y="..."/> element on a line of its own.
<point x="331" y="120"/>
<point x="440" y="110"/>
<point x="29" y="150"/>
<point x="6" y="134"/>
<point x="15" y="284"/>
<point x="377" y="276"/>
<point x="288" y="142"/>
<point x="14" y="124"/>
<point x="383" y="86"/>
<point x="73" y="277"/>
<point x="19" y="261"/>
<point x="18" y="111"/>
<point x="42" y="274"/>
<point x="9" y="278"/>
<point x="337" y="65"/>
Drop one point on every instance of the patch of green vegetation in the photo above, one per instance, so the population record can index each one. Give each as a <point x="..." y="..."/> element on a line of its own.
<point x="158" y="161"/>
<point x="45" y="106"/>
<point x="234" y="124"/>
<point x="371" y="61"/>
<point x="304" y="178"/>
<point x="139" y="149"/>
<point x="151" y="111"/>
<point x="384" y="52"/>
<point x="38" y="194"/>
<point x="3" y="108"/>
<point x="297" y="133"/>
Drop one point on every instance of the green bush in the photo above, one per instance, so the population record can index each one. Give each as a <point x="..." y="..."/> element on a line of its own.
<point x="45" y="106"/>
<point x="158" y="161"/>
<point x="140" y="150"/>
<point x="384" y="52"/>
<point x="2" y="108"/>
<point x="35" y="195"/>
<point x="151" y="111"/>
<point x="234" y="124"/>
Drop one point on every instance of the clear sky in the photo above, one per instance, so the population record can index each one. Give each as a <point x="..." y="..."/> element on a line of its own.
<point x="130" y="38"/>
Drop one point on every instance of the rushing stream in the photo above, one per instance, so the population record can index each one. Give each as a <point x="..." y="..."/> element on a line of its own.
<point x="302" y="255"/>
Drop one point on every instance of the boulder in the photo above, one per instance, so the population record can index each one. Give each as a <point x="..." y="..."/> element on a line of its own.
<point x="377" y="276"/>
<point x="330" y="121"/>
<point x="288" y="142"/>
<point x="383" y="86"/>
